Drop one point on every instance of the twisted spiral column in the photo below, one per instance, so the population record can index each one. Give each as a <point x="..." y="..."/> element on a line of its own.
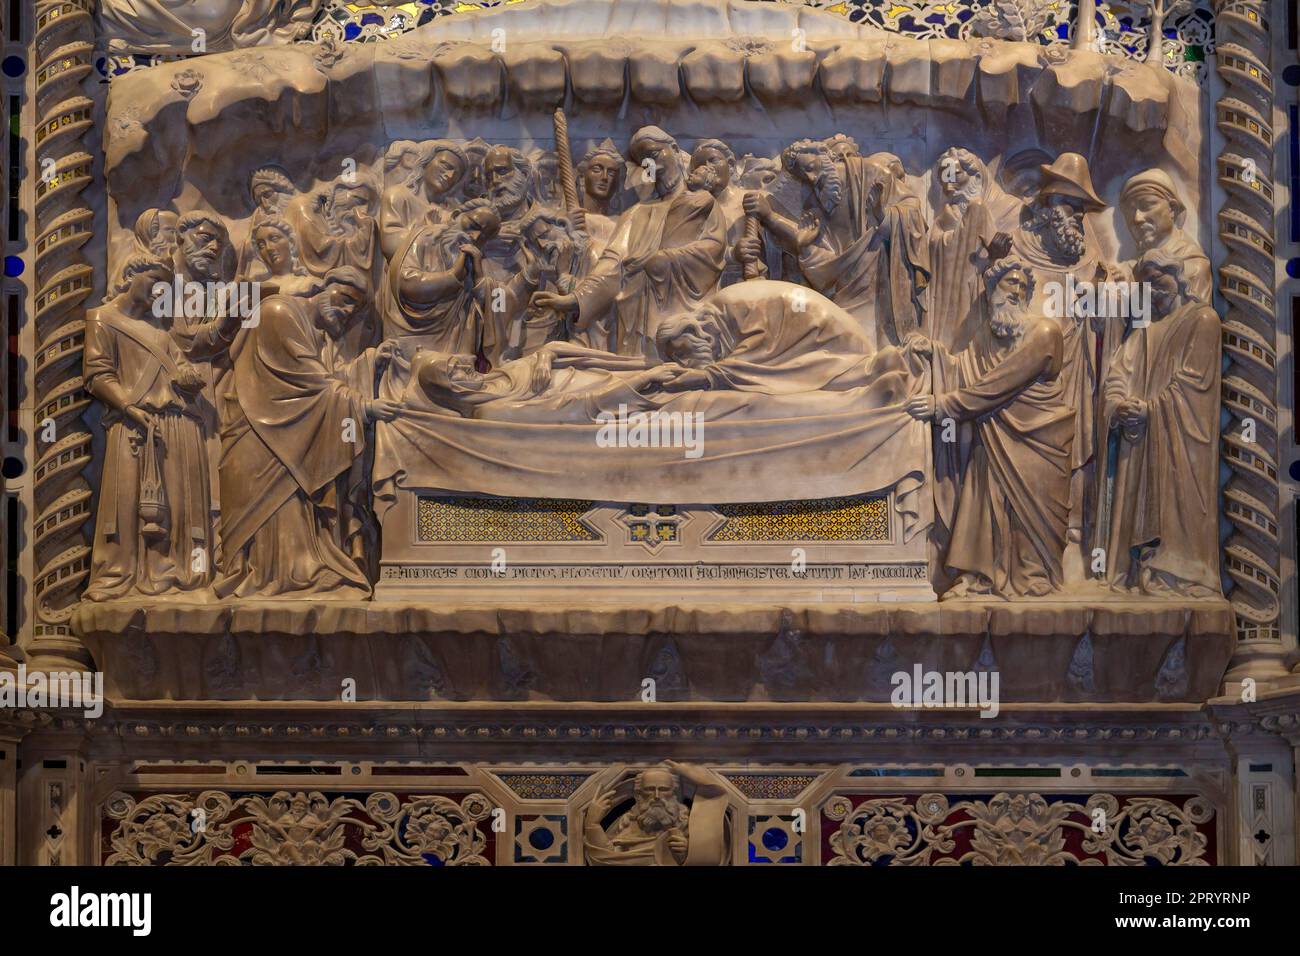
<point x="1251" y="551"/>
<point x="64" y="278"/>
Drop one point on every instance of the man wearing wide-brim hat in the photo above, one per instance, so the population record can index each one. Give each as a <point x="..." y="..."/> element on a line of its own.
<point x="1052" y="240"/>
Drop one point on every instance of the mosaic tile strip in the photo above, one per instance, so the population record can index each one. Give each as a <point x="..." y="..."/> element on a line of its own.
<point x="860" y="518"/>
<point x="464" y="518"/>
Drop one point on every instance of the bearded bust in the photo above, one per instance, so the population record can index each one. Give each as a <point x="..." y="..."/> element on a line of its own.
<point x="659" y="829"/>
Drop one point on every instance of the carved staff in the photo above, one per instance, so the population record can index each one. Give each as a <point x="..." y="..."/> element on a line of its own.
<point x="564" y="161"/>
<point x="754" y="268"/>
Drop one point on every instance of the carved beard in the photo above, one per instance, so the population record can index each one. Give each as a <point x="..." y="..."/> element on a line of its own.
<point x="703" y="178"/>
<point x="1063" y="231"/>
<point x="967" y="194"/>
<point x="1006" y="321"/>
<point x="655" y="816"/>
<point x="510" y="194"/>
<point x="828" y="187"/>
<point x="202" y="264"/>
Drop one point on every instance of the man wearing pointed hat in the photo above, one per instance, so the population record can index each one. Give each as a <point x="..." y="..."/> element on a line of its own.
<point x="666" y="255"/>
<point x="1154" y="215"/>
<point x="1054" y="239"/>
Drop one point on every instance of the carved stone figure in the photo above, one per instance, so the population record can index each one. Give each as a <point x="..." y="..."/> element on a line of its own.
<point x="667" y="253"/>
<point x="439" y="171"/>
<point x="296" y="427"/>
<point x="270" y="189"/>
<point x="600" y="182"/>
<point x="1161" y="407"/>
<point x="1009" y="520"/>
<point x="204" y="324"/>
<point x="433" y="284"/>
<point x="509" y="179"/>
<point x="155" y="233"/>
<point x="774" y="338"/>
<point x="961" y="228"/>
<point x="153" y="532"/>
<point x="1054" y="241"/>
<point x="659" y="829"/>
<point x="552" y="255"/>
<point x="167" y="26"/>
<point x="1154" y="215"/>
<point x="862" y="237"/>
<point x="560" y="382"/>
<point x="277" y="250"/>
<point x="713" y="168"/>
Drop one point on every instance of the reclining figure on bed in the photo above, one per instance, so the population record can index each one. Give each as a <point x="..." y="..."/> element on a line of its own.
<point x="773" y="346"/>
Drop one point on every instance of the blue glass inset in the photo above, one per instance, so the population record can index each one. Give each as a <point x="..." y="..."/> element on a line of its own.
<point x="775" y="839"/>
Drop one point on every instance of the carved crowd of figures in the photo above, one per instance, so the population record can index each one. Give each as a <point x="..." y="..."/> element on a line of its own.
<point x="1071" y="443"/>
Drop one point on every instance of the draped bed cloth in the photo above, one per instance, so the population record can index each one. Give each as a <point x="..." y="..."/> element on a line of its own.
<point x="839" y="451"/>
<point x="756" y="448"/>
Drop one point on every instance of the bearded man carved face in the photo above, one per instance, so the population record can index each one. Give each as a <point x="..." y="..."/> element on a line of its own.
<point x="813" y="164"/>
<point x="1011" y="286"/>
<point x="505" y="171"/>
<point x="657" y="807"/>
<point x="1059" y="219"/>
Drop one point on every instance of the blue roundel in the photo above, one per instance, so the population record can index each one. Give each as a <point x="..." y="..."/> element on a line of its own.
<point x="1295" y="470"/>
<point x="541" y="839"/>
<point x="14" y="66"/>
<point x="775" y="839"/>
<point x="1293" y="268"/>
<point x="14" y="265"/>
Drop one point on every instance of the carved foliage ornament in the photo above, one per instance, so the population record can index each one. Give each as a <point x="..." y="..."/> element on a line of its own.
<point x="1021" y="829"/>
<point x="214" y="828"/>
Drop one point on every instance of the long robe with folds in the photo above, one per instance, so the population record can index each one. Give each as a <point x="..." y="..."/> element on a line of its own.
<point x="879" y="276"/>
<point x="689" y="228"/>
<point x="138" y="362"/>
<point x="780" y="338"/>
<point x="1082" y="350"/>
<point x="1164" y="505"/>
<point x="1013" y="504"/>
<point x="450" y="324"/>
<point x="285" y="457"/>
<point x="953" y="312"/>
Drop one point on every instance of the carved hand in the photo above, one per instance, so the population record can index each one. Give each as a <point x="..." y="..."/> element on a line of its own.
<point x="385" y="353"/>
<point x="139" y="416"/>
<point x="919" y="344"/>
<point x="379" y="410"/>
<point x="922" y="407"/>
<point x="541" y="379"/>
<point x="749" y="250"/>
<point x="688" y="380"/>
<point x="553" y="300"/>
<point x="758" y="204"/>
<point x="677" y="844"/>
<point x="600" y="807"/>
